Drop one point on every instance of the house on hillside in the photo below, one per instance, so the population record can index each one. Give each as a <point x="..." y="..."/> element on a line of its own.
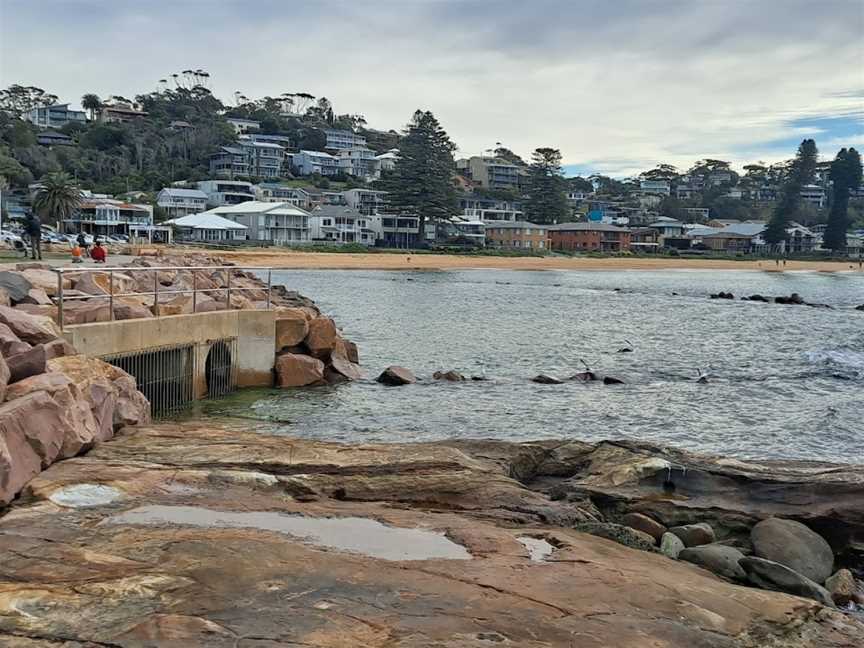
<point x="491" y="172"/>
<point x="248" y="158"/>
<point x="366" y="201"/>
<point x="243" y="126"/>
<point x="654" y="187"/>
<point x="343" y="139"/>
<point x="179" y="202"/>
<point x="309" y="162"/>
<point x="589" y="237"/>
<point x="275" y="192"/>
<point x="488" y="209"/>
<point x="51" y="138"/>
<point x="113" y="111"/>
<point x="358" y="162"/>
<point x="55" y="116"/>
<point x="227" y="192"/>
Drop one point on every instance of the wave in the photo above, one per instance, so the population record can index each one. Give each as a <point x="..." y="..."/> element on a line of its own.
<point x="843" y="359"/>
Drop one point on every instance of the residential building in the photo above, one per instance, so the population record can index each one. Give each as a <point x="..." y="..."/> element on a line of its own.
<point x="358" y="162"/>
<point x="309" y="162"/>
<point x="387" y="161"/>
<point x="814" y="195"/>
<point x="458" y="230"/>
<point x="800" y="239"/>
<point x="491" y="172"/>
<point x="113" y="111"/>
<point x="227" y="192"/>
<point x="396" y="231"/>
<point x="686" y="192"/>
<point x="280" y="140"/>
<point x="229" y="162"/>
<point x="343" y="139"/>
<point x="657" y="187"/>
<point x="207" y="227"/>
<point x="243" y="126"/>
<point x="103" y="216"/>
<point x="589" y="237"/>
<point x="644" y="238"/>
<point x="340" y="224"/>
<point x="668" y="227"/>
<point x="698" y="214"/>
<point x="248" y="159"/>
<point x="517" y="235"/>
<point x="366" y="201"/>
<point x="55" y="116"/>
<point x="274" y="192"/>
<point x="278" y="223"/>
<point x="177" y="202"/>
<point x="51" y="138"/>
<point x="736" y="193"/>
<point x="488" y="209"/>
<point x="737" y="238"/>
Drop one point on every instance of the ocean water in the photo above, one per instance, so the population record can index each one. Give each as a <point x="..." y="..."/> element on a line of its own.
<point x="783" y="381"/>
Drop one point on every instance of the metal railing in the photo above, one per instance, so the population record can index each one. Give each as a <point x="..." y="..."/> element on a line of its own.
<point x="156" y="293"/>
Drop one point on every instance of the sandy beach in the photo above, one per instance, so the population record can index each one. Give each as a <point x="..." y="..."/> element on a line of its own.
<point x="341" y="261"/>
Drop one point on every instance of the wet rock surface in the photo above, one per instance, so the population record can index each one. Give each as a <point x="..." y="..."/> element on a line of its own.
<point x="88" y="561"/>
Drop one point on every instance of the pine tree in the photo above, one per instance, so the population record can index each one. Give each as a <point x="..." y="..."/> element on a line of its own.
<point x="845" y="175"/>
<point x="800" y="173"/>
<point x="547" y="188"/>
<point x="421" y="181"/>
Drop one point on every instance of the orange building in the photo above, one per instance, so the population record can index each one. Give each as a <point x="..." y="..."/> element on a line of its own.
<point x="517" y="235"/>
<point x="589" y="237"/>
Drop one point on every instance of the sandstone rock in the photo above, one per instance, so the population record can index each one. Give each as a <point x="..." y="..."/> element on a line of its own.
<point x="543" y="379"/>
<point x="179" y="305"/>
<point x="395" y="376"/>
<point x="792" y="544"/>
<point x="58" y="348"/>
<point x="772" y="575"/>
<point x="618" y="533"/>
<point x="645" y="524"/>
<point x="841" y="586"/>
<point x="37" y="296"/>
<point x="693" y="535"/>
<point x="671" y="545"/>
<point x="209" y="305"/>
<point x="86" y="311"/>
<point x="6" y="301"/>
<point x="46" y="279"/>
<point x="5" y="375"/>
<point x="344" y="367"/>
<point x="292" y="328"/>
<point x="15" y="284"/>
<point x="720" y="559"/>
<point x="450" y="376"/>
<point x="26" y="364"/>
<point x="99" y="283"/>
<point x="39" y="310"/>
<point x="351" y="351"/>
<point x="9" y="342"/>
<point x="322" y="337"/>
<point x="32" y="265"/>
<point x="298" y="370"/>
<point x="33" y="329"/>
<point x="127" y="310"/>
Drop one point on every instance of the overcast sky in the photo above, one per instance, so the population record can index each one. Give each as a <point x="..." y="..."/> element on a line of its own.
<point x="617" y="85"/>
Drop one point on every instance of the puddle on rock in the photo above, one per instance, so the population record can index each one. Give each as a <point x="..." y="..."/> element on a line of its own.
<point x="354" y="534"/>
<point x="83" y="495"/>
<point x="538" y="548"/>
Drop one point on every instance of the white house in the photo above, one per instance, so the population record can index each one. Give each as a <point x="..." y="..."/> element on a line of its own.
<point x="309" y="162"/>
<point x="275" y="192"/>
<point x="813" y="194"/>
<point x="207" y="227"/>
<point x="366" y="201"/>
<point x="227" y="192"/>
<point x="279" y="223"/>
<point x="55" y="116"/>
<point x="668" y="227"/>
<point x="342" y="139"/>
<point x="342" y="224"/>
<point x="387" y="161"/>
<point x="654" y="187"/>
<point x="179" y="202"/>
<point x="358" y="162"/>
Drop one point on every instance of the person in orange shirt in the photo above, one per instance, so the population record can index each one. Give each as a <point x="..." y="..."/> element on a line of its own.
<point x="76" y="254"/>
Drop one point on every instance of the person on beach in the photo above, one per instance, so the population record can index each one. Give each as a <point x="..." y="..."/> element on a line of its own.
<point x="99" y="254"/>
<point x="76" y="253"/>
<point x="82" y="243"/>
<point x="33" y="229"/>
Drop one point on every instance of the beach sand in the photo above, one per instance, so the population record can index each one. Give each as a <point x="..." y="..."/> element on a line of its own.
<point x="342" y="261"/>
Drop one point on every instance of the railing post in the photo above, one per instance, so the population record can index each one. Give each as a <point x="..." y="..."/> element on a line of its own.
<point x="111" y="295"/>
<point x="60" y="298"/>
<point x="194" y="291"/>
<point x="228" y="288"/>
<point x="156" y="292"/>
<point x="269" y="287"/>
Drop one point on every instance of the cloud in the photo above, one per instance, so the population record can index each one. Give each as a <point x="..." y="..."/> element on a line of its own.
<point x="618" y="85"/>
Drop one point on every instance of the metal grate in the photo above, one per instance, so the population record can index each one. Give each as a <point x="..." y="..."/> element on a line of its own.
<point x="220" y="368"/>
<point x="165" y="375"/>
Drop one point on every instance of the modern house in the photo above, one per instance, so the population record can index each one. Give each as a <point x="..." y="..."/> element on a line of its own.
<point x="491" y="172"/>
<point x="280" y="140"/>
<point x="387" y="161"/>
<point x="248" y="159"/>
<point x="277" y="223"/>
<point x="488" y="209"/>
<point x="227" y="192"/>
<point x="366" y="201"/>
<point x="736" y="238"/>
<point x="656" y="187"/>
<point x="342" y="139"/>
<point x="243" y="126"/>
<point x="275" y="192"/>
<point x="229" y="162"/>
<point x="589" y="237"/>
<point x="342" y="224"/>
<point x="121" y="111"/>
<point x="178" y="202"/>
<point x="814" y="195"/>
<point x="668" y="227"/>
<point x="309" y="162"/>
<point x="55" y="116"/>
<point x="207" y="227"/>
<point x="52" y="138"/>
<point x="358" y="162"/>
<point x="517" y="235"/>
<point x="102" y="216"/>
<point x="699" y="214"/>
<point x="646" y="239"/>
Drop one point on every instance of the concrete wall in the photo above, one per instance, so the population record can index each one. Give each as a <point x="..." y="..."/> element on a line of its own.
<point x="255" y="331"/>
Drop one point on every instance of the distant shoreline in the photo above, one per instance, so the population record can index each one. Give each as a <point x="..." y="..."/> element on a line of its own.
<point x="294" y="260"/>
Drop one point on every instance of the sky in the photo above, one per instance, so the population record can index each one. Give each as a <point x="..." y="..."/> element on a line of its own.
<point x="617" y="85"/>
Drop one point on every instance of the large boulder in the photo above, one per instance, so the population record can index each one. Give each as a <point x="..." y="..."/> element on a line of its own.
<point x="5" y="375"/>
<point x="33" y="329"/>
<point x="693" y="535"/>
<point x="86" y="311"/>
<point x="129" y="309"/>
<point x="351" y="351"/>
<point x="792" y="544"/>
<point x="179" y="305"/>
<point x="645" y="524"/>
<point x="39" y="310"/>
<point x="31" y="435"/>
<point x="671" y="545"/>
<point x="99" y="283"/>
<point x="545" y="379"/>
<point x="771" y="575"/>
<point x="292" y="327"/>
<point x="294" y="370"/>
<point x="322" y="337"/>
<point x="395" y="376"/>
<point x="46" y="280"/>
<point x="15" y="284"/>
<point x="10" y="344"/>
<point x="618" y="533"/>
<point x="29" y="363"/>
<point x="58" y="348"/>
<point x="450" y="375"/>
<point x="37" y="296"/>
<point x="720" y="559"/>
<point x="344" y="367"/>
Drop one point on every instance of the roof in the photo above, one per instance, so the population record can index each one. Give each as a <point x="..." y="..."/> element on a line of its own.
<point x="184" y="193"/>
<point x="258" y="207"/>
<point x="738" y="229"/>
<point x="667" y="223"/>
<point x="597" y="227"/>
<point x="515" y="224"/>
<point x="206" y="220"/>
<point x="333" y="211"/>
<point x="318" y="154"/>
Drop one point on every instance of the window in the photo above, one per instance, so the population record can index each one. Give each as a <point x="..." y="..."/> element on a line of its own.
<point x="326" y="222"/>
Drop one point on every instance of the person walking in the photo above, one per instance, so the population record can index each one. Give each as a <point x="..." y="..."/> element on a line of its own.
<point x="33" y="229"/>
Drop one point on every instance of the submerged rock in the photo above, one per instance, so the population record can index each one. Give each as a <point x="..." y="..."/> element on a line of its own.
<point x="396" y="376"/>
<point x="451" y="376"/>
<point x="293" y="370"/>
<point x="584" y="376"/>
<point x="792" y="544"/>
<point x="768" y="574"/>
<point x="611" y="380"/>
<point x="544" y="379"/>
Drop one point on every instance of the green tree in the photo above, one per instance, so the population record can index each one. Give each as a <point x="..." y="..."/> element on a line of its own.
<point x="91" y="103"/>
<point x="800" y="172"/>
<point x="13" y="171"/>
<point x="547" y="188"/>
<point x="421" y="179"/>
<point x="845" y="175"/>
<point x="18" y="100"/>
<point x="57" y="197"/>
<point x="661" y="172"/>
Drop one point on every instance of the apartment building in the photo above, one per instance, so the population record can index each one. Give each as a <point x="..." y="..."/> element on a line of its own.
<point x="491" y="173"/>
<point x="655" y="187"/>
<point x="274" y="192"/>
<point x="358" y="162"/>
<point x="589" y="237"/>
<point x="102" y="216"/>
<point x="227" y="192"/>
<point x="339" y="224"/>
<point x="309" y="162"/>
<point x="517" y="235"/>
<point x="178" y="202"/>
<point x="488" y="209"/>
<point x="248" y="159"/>
<point x="342" y="139"/>
<point x="55" y="116"/>
<point x="366" y="201"/>
<point x="278" y="223"/>
<point x="387" y="161"/>
<point x="814" y="195"/>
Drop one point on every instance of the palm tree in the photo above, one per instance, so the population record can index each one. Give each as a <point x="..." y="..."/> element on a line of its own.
<point x="57" y="197"/>
<point x="92" y="103"/>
